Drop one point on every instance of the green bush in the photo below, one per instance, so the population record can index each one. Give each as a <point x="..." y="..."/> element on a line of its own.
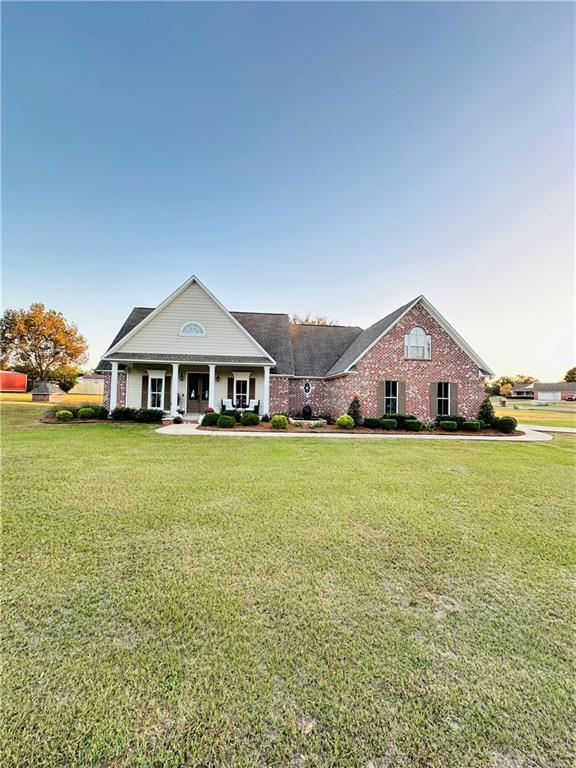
<point x="123" y="414"/>
<point x="225" y="421"/>
<point x="388" y="423"/>
<point x="448" y="425"/>
<point x="355" y="412"/>
<point x="413" y="425"/>
<point x="486" y="412"/>
<point x="148" y="415"/>
<point x="210" y="419"/>
<point x="236" y="415"/>
<point x="370" y="423"/>
<point x="345" y="421"/>
<point x="249" y="419"/>
<point x="279" y="421"/>
<point x="472" y="425"/>
<point x="86" y="413"/>
<point x="99" y="411"/>
<point x="400" y="418"/>
<point x="459" y="420"/>
<point x="266" y="418"/>
<point x="64" y="415"/>
<point x="505" y="424"/>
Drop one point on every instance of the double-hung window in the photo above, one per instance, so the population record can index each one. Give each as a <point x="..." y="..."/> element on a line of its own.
<point x="391" y="397"/>
<point x="241" y="393"/>
<point x="156" y="392"/>
<point x="443" y="398"/>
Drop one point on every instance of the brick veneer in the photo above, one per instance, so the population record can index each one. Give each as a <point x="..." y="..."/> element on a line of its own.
<point x="120" y="389"/>
<point x="386" y="361"/>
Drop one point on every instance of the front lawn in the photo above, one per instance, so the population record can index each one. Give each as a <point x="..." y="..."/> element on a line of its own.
<point x="208" y="602"/>
<point x="544" y="416"/>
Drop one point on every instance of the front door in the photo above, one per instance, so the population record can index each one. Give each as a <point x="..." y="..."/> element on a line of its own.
<point x="197" y="392"/>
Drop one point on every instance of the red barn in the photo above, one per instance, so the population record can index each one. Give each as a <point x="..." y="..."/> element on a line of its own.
<point x="12" y="382"/>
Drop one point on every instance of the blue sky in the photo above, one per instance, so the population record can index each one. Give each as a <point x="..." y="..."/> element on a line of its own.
<point x="339" y="158"/>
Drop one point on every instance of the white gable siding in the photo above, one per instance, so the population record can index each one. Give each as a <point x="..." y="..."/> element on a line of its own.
<point x="162" y="333"/>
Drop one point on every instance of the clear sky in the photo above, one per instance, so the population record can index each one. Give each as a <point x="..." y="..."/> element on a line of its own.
<point x="339" y="158"/>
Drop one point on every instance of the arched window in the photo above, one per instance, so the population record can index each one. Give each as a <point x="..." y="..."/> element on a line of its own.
<point x="192" y="329"/>
<point x="417" y="345"/>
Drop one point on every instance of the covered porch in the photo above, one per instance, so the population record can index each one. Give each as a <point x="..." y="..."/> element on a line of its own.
<point x="191" y="387"/>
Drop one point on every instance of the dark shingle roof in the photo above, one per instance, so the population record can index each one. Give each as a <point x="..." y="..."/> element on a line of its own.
<point x="46" y="388"/>
<point x="365" y="339"/>
<point x="271" y="331"/>
<point x="557" y="386"/>
<point x="317" y="347"/>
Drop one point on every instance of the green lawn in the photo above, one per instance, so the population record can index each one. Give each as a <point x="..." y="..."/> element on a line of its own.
<point x="208" y="602"/>
<point x="544" y="416"/>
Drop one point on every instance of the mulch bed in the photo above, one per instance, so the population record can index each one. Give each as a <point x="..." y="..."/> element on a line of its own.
<point x="332" y="428"/>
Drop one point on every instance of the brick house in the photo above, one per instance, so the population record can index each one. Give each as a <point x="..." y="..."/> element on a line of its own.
<point x="191" y="352"/>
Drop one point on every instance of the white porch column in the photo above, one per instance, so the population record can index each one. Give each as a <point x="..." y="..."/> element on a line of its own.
<point x="266" y="398"/>
<point x="174" y="388"/>
<point x="114" y="386"/>
<point x="212" y="386"/>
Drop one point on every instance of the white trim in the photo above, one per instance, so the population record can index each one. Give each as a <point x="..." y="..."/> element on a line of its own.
<point x="241" y="376"/>
<point x="174" y="389"/>
<point x="192" y="322"/>
<point x="449" y="398"/>
<point x="114" y="386"/>
<point x="212" y="386"/>
<point x="266" y="393"/>
<point x="168" y="301"/>
<point x="441" y="321"/>
<point x="186" y="362"/>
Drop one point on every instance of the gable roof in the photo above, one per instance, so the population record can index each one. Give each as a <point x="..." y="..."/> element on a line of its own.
<point x="47" y="388"/>
<point x="297" y="350"/>
<point x="556" y="386"/>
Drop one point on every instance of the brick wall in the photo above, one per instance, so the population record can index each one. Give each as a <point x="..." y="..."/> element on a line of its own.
<point x="120" y="390"/>
<point x="386" y="361"/>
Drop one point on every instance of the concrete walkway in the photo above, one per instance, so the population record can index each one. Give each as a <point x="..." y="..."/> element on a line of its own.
<point x="539" y="428"/>
<point x="531" y="435"/>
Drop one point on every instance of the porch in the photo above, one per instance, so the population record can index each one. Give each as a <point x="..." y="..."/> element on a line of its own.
<point x="191" y="387"/>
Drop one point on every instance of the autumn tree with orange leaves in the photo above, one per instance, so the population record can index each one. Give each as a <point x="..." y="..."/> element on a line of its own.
<point x="39" y="341"/>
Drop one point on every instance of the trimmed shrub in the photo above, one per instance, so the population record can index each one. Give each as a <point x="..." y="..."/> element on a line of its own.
<point x="388" y="423"/>
<point x="505" y="424"/>
<point x="249" y="419"/>
<point x="486" y="412"/>
<point x="400" y="418"/>
<point x="345" y="421"/>
<point x="64" y="415"/>
<point x="148" y="415"/>
<point x="413" y="425"/>
<point x="178" y="419"/>
<point x="355" y="412"/>
<point x="372" y="423"/>
<point x="86" y="413"/>
<point x="279" y="421"/>
<point x="210" y="419"/>
<point x="459" y="420"/>
<point x="225" y="421"/>
<point x="235" y="415"/>
<point x="123" y="414"/>
<point x="99" y="411"/>
<point x="472" y="425"/>
<point x="448" y="425"/>
<point x="327" y="418"/>
<point x="266" y="418"/>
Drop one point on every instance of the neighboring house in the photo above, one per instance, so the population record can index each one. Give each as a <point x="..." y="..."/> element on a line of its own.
<point x="191" y="352"/>
<point x="522" y="389"/>
<point x="550" y="392"/>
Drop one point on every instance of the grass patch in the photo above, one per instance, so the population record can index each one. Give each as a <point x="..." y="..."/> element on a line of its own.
<point x="193" y="602"/>
<point x="543" y="416"/>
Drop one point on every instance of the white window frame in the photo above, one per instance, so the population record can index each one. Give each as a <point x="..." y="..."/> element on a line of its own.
<point x="241" y="376"/>
<point x="390" y="398"/>
<point x="417" y="339"/>
<point x="198" y="325"/>
<point x="443" y="398"/>
<point x="157" y="375"/>
<point x="307" y="388"/>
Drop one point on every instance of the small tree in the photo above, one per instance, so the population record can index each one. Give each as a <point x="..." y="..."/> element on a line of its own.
<point x="570" y="374"/>
<point x="486" y="412"/>
<point x="355" y="411"/>
<point x="40" y="340"/>
<point x="65" y="376"/>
